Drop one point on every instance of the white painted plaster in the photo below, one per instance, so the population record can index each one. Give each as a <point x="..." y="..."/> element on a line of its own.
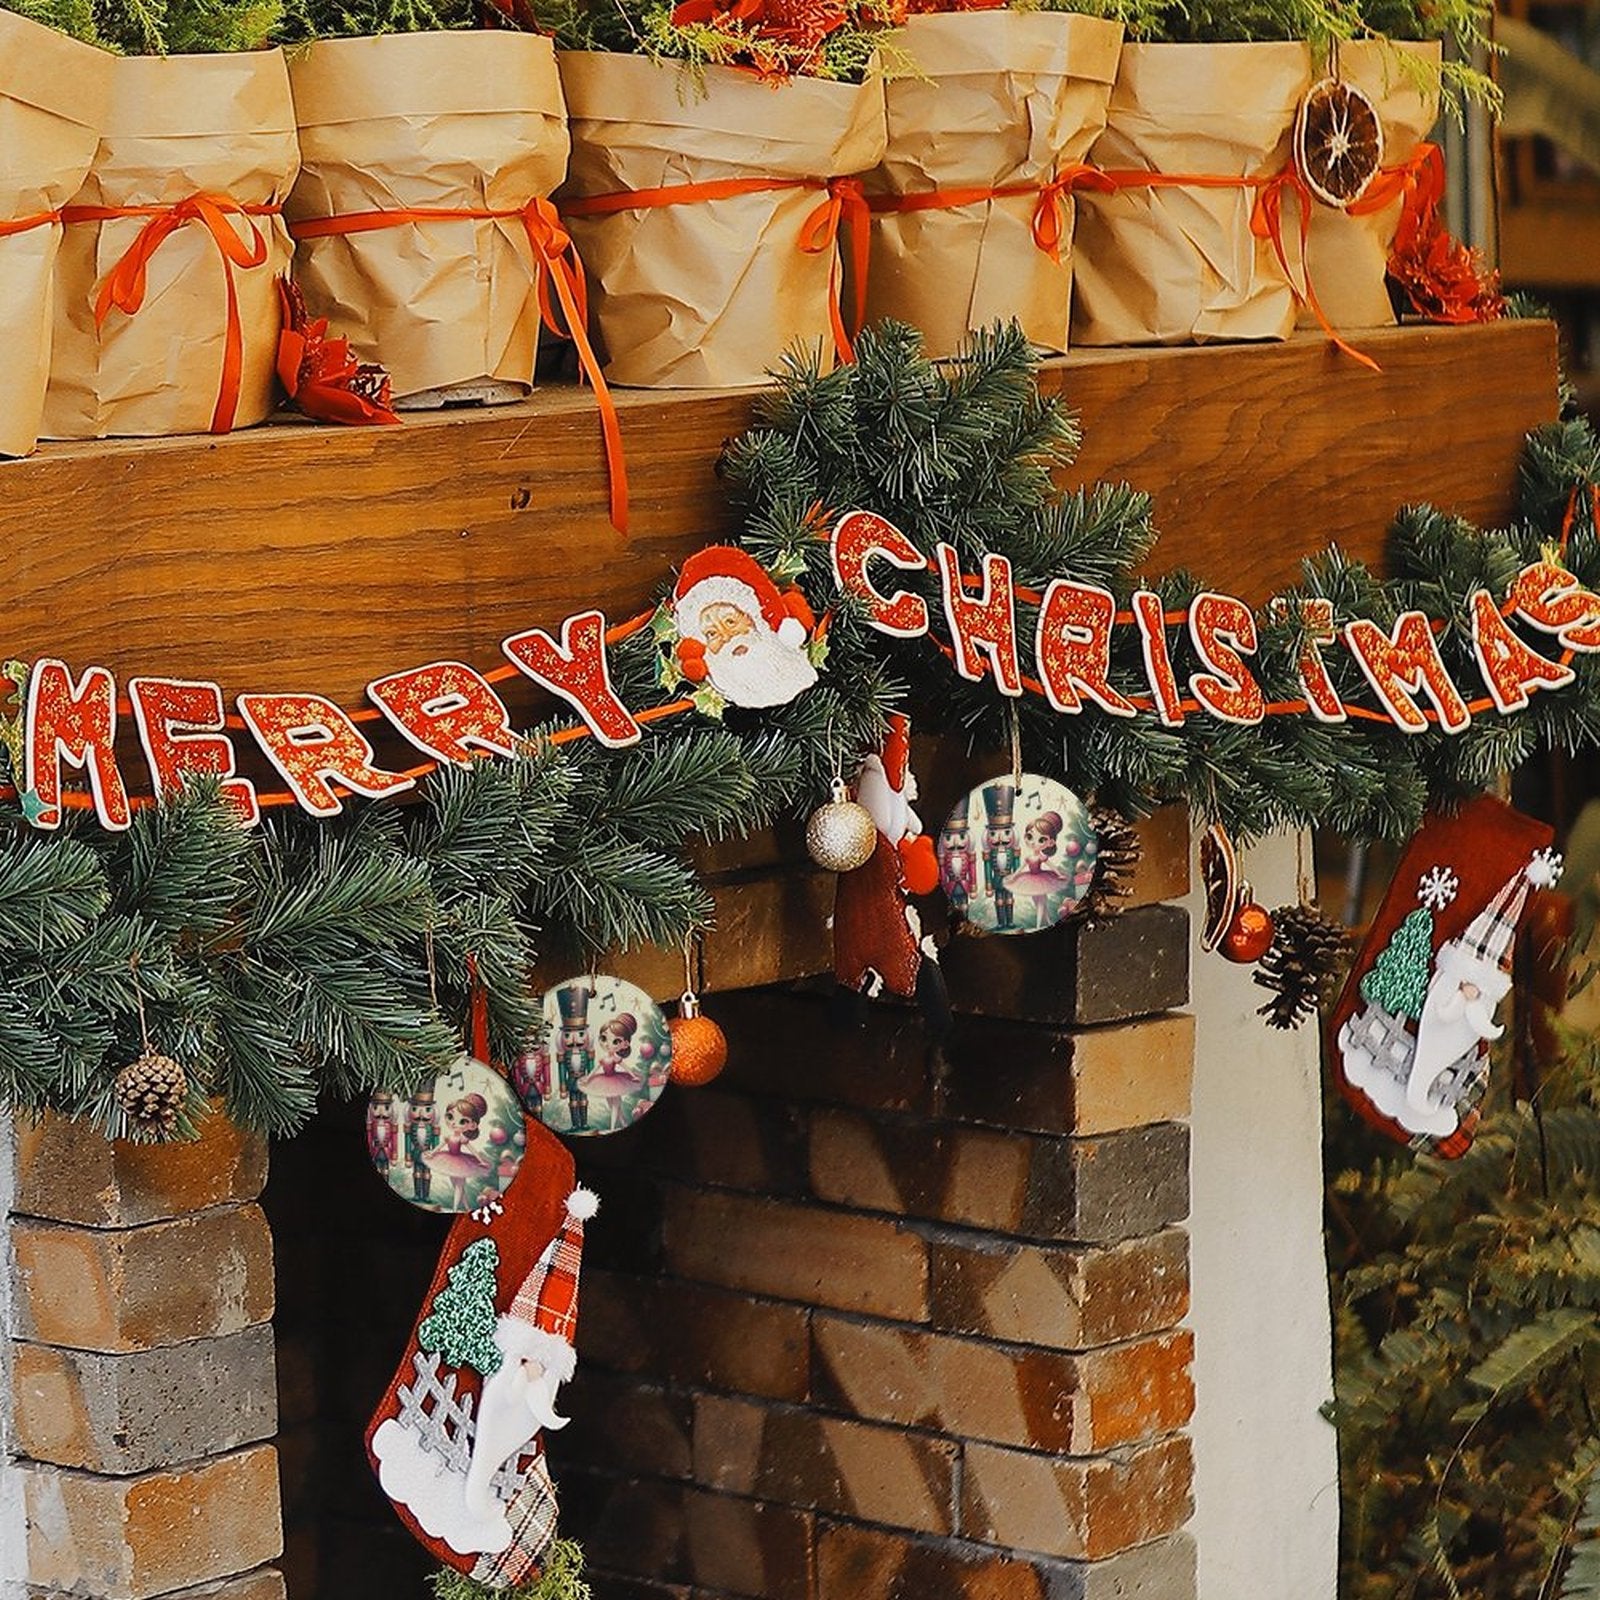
<point x="13" y="1516"/>
<point x="1266" y="1468"/>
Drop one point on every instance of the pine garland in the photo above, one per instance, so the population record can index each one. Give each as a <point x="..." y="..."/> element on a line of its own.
<point x="274" y="963"/>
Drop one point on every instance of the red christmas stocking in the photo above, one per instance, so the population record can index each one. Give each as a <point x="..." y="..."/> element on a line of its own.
<point x="1412" y="1030"/>
<point x="456" y="1442"/>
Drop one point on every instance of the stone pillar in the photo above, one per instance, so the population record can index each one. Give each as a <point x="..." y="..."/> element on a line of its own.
<point x="142" y="1366"/>
<point x="858" y="1325"/>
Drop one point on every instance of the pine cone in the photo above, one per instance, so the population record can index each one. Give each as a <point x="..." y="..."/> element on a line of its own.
<point x="1117" y="861"/>
<point x="152" y="1091"/>
<point x="1300" y="967"/>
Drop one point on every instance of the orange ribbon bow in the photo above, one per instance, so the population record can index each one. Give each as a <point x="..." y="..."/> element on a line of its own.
<point x="124" y="286"/>
<point x="844" y="204"/>
<point x="1049" y="212"/>
<point x="557" y="267"/>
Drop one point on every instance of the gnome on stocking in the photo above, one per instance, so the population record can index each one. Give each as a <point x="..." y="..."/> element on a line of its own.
<point x="456" y="1441"/>
<point x="1415" y="1024"/>
<point x="878" y="942"/>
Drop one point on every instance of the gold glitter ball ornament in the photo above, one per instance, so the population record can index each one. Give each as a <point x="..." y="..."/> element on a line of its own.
<point x="152" y="1091"/>
<point x="699" y="1046"/>
<point x="841" y="835"/>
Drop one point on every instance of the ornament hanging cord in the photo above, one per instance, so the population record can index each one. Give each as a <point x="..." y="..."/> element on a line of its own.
<point x="1016" y="745"/>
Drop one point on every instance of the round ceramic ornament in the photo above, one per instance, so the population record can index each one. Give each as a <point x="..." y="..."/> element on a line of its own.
<point x="606" y="1056"/>
<point x="1017" y="855"/>
<point x="452" y="1146"/>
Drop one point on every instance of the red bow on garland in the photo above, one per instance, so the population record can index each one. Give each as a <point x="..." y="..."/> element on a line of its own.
<point x="321" y="376"/>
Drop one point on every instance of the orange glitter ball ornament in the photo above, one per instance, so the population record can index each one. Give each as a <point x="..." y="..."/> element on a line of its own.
<point x="699" y="1046"/>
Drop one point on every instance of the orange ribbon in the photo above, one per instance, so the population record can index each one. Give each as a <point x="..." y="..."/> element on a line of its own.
<point x="124" y="286"/>
<point x="1266" y="222"/>
<point x="24" y="224"/>
<point x="552" y="250"/>
<point x="844" y="204"/>
<point x="1049" y="212"/>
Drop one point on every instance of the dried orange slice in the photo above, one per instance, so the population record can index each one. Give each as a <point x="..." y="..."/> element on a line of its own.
<point x="1219" y="873"/>
<point x="1338" y="142"/>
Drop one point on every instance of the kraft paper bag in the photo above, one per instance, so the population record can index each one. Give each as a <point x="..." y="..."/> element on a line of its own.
<point x="709" y="293"/>
<point x="1000" y="98"/>
<point x="1348" y="256"/>
<point x="1179" y="265"/>
<point x="53" y="94"/>
<point x="437" y="121"/>
<point x="176" y="126"/>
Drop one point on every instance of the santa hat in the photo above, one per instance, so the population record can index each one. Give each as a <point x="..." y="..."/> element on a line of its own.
<point x="1490" y="936"/>
<point x="720" y="574"/>
<point x="543" y="1318"/>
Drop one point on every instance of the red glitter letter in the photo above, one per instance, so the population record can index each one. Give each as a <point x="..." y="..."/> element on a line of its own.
<point x="446" y="710"/>
<point x="577" y="670"/>
<point x="1221" y="628"/>
<point x="857" y="537"/>
<point x="180" y="727"/>
<point x="1148" y="613"/>
<point x="983" y="627"/>
<point x="75" y="723"/>
<point x="1509" y="667"/>
<point x="1073" y="644"/>
<point x="315" y="745"/>
<point x="1551" y="599"/>
<point x="1402" y="664"/>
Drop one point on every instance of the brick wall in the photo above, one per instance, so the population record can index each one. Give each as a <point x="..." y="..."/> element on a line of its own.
<point x="142" y="1366"/>
<point x="858" y="1325"/>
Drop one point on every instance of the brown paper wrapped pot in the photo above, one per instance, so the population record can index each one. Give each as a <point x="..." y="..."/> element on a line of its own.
<point x="1178" y="265"/>
<point x="1348" y="255"/>
<point x="711" y="293"/>
<point x="53" y="94"/>
<point x="175" y="127"/>
<point x="999" y="98"/>
<point x="438" y="121"/>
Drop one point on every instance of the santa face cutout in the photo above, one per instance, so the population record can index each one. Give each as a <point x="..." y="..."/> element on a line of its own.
<point x="735" y="634"/>
<point x="605" y="1058"/>
<point x="1017" y="855"/>
<point x="453" y="1146"/>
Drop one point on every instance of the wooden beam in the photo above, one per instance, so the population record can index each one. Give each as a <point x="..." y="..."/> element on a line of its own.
<point x="1544" y="245"/>
<point x="296" y="557"/>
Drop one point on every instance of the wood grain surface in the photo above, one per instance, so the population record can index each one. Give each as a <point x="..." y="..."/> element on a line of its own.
<point x="298" y="557"/>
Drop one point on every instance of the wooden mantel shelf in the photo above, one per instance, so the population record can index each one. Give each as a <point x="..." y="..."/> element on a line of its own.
<point x="299" y="557"/>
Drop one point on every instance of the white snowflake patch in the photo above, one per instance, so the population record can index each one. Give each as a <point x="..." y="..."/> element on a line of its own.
<point x="1437" y="887"/>
<point x="1544" y="870"/>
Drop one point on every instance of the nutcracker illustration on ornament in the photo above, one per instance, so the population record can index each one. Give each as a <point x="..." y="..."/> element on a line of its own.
<point x="612" y="1048"/>
<point x="958" y="866"/>
<point x="422" y="1134"/>
<point x="383" y="1137"/>
<point x="1026" y="886"/>
<point x="999" y="851"/>
<point x="574" y="1053"/>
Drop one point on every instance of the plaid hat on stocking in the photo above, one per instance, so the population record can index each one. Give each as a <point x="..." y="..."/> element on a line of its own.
<point x="543" y="1318"/>
<point x="1490" y="936"/>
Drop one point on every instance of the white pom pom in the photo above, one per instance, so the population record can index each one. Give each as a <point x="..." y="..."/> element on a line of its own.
<point x="792" y="632"/>
<point x="582" y="1204"/>
<point x="1544" y="869"/>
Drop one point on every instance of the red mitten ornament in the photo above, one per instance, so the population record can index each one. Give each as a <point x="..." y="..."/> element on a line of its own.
<point x="456" y="1440"/>
<point x="1412" y="1030"/>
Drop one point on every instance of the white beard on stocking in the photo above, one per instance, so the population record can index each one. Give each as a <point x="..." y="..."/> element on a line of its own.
<point x="517" y="1403"/>
<point x="759" y="669"/>
<point x="1457" y="1023"/>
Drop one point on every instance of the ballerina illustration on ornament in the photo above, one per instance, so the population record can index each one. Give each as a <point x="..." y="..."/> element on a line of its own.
<point x="611" y="1048"/>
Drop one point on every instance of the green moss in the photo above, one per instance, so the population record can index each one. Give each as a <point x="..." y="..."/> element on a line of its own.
<point x="561" y="1578"/>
